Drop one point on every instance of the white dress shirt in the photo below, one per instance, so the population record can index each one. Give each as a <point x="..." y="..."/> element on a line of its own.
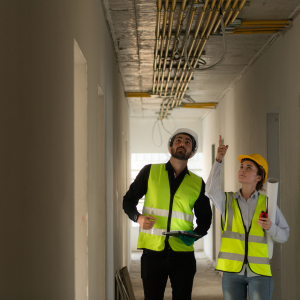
<point x="279" y="230"/>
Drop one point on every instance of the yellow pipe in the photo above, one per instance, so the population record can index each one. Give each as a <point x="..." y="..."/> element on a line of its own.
<point x="182" y="53"/>
<point x="159" y="6"/>
<point x="167" y="109"/>
<point x="175" y="43"/>
<point x="179" y="86"/>
<point x="238" y="11"/>
<point x="257" y="29"/>
<point x="208" y="18"/>
<point x="231" y="12"/>
<point x="263" y="26"/>
<point x="254" y="32"/>
<point x="162" y="42"/>
<point x="224" y="12"/>
<point x="186" y="82"/>
<point x="269" y="22"/>
<point x="191" y="47"/>
<point x="168" y="42"/>
<point x="206" y="105"/>
<point x="136" y="94"/>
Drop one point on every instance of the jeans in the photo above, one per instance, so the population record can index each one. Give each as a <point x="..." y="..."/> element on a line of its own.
<point x="235" y="287"/>
<point x="156" y="267"/>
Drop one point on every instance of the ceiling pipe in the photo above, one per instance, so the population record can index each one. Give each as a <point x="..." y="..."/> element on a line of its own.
<point x="224" y="12"/>
<point x="265" y="23"/>
<point x="162" y="43"/>
<point x="175" y="43"/>
<point x="252" y="31"/>
<point x="231" y="12"/>
<point x="180" y="84"/>
<point x="158" y="15"/>
<point x="207" y="35"/>
<point x="190" y="22"/>
<point x="238" y="11"/>
<point x="208" y="25"/>
<point x="168" y="42"/>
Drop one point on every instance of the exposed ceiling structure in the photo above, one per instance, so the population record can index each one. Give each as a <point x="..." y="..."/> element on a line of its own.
<point x="161" y="82"/>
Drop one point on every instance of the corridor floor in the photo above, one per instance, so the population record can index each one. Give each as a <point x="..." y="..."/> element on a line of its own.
<point x="207" y="282"/>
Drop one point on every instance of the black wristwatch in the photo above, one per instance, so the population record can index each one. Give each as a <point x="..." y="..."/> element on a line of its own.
<point x="135" y="218"/>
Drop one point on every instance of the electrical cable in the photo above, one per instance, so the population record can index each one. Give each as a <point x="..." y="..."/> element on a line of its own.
<point x="224" y="43"/>
<point x="161" y="140"/>
<point x="164" y="127"/>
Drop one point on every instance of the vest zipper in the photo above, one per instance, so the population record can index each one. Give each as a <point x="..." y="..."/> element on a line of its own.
<point x="246" y="236"/>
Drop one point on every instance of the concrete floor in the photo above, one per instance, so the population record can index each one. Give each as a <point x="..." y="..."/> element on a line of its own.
<point x="207" y="282"/>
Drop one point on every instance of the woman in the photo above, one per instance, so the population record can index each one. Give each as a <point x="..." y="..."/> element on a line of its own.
<point x="243" y="256"/>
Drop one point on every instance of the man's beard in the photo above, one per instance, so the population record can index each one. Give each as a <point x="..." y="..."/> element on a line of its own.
<point x="180" y="155"/>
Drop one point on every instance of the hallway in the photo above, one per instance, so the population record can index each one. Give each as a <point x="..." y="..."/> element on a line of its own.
<point x="84" y="85"/>
<point x="207" y="282"/>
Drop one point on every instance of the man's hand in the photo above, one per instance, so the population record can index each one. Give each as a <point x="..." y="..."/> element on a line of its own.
<point x="265" y="223"/>
<point x="221" y="150"/>
<point x="146" y="222"/>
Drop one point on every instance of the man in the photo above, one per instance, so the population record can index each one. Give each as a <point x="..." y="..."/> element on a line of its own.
<point x="173" y="195"/>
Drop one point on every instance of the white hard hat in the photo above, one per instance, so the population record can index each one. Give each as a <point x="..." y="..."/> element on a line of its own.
<point x="185" y="131"/>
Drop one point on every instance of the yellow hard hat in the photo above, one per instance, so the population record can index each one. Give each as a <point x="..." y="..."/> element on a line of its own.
<point x="259" y="160"/>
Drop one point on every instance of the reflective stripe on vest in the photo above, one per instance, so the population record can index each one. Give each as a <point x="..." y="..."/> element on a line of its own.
<point x="165" y="213"/>
<point x="157" y="204"/>
<point x="232" y="252"/>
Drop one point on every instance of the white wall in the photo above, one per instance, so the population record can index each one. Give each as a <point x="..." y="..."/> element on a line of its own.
<point x="141" y="133"/>
<point x="271" y="84"/>
<point x="37" y="150"/>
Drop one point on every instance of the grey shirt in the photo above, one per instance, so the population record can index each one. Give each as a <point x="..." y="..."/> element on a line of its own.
<point x="279" y="230"/>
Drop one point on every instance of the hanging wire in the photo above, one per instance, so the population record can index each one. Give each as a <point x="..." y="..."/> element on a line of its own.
<point x="161" y="140"/>
<point x="224" y="43"/>
<point x="162" y="123"/>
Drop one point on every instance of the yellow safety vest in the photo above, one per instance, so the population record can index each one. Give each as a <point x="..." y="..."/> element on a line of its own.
<point x="157" y="204"/>
<point x="238" y="246"/>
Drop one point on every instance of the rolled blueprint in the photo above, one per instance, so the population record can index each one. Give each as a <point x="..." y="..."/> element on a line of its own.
<point x="272" y="192"/>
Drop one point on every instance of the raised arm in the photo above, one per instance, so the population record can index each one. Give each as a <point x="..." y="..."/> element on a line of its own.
<point x="213" y="186"/>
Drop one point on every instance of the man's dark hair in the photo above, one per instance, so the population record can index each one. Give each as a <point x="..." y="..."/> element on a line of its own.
<point x="192" y="138"/>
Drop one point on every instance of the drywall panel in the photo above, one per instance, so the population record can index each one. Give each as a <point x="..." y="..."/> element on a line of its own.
<point x="37" y="149"/>
<point x="271" y="85"/>
<point x="149" y="136"/>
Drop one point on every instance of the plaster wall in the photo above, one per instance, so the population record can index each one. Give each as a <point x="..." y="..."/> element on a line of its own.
<point x="37" y="150"/>
<point x="142" y="130"/>
<point x="272" y="84"/>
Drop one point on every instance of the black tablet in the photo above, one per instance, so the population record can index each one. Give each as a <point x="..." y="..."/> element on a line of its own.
<point x="180" y="232"/>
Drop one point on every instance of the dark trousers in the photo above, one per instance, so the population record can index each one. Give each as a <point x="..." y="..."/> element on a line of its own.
<point x="157" y="266"/>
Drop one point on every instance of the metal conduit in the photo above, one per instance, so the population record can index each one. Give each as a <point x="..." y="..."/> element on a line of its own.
<point x="231" y="12"/>
<point x="168" y="42"/>
<point x="185" y="82"/>
<point x="162" y="42"/>
<point x="185" y="72"/>
<point x="159" y="5"/>
<point x="175" y="43"/>
<point x="224" y="12"/>
<point x="181" y="55"/>
<point x="201" y="50"/>
<point x="183" y="5"/>
<point x="191" y="47"/>
<point x="238" y="11"/>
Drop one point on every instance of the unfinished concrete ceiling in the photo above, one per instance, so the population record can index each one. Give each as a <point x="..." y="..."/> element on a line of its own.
<point x="133" y="25"/>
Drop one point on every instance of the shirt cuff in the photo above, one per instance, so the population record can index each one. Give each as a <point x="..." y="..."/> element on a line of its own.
<point x="272" y="230"/>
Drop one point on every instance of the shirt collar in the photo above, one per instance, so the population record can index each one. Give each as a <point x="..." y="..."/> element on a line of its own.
<point x="238" y="194"/>
<point x="169" y="167"/>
